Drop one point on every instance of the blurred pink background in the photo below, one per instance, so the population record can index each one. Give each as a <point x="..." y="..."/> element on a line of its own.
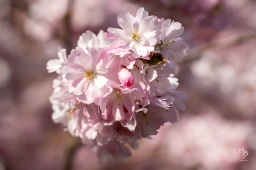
<point x="218" y="76"/>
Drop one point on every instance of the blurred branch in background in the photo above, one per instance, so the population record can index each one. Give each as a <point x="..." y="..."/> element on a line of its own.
<point x="73" y="148"/>
<point x="68" y="34"/>
<point x="64" y="34"/>
<point x="217" y="45"/>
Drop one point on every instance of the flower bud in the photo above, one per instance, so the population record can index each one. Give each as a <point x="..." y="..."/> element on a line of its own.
<point x="125" y="77"/>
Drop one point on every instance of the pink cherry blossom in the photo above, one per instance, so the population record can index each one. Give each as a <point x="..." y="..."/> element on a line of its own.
<point x="85" y="72"/>
<point x="168" y="41"/>
<point x="118" y="87"/>
<point x="152" y="118"/>
<point x="54" y="65"/>
<point x="125" y="77"/>
<point x="89" y="39"/>
<point x="138" y="32"/>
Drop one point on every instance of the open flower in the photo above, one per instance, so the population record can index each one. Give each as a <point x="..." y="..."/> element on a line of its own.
<point x="89" y="39"/>
<point x="85" y="73"/>
<point x="138" y="32"/>
<point x="168" y="41"/>
<point x="152" y="117"/>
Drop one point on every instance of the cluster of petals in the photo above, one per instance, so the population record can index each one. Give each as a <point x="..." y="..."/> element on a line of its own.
<point x="119" y="86"/>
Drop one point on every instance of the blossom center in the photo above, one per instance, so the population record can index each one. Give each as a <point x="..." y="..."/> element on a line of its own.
<point x="118" y="96"/>
<point x="135" y="36"/>
<point x="89" y="74"/>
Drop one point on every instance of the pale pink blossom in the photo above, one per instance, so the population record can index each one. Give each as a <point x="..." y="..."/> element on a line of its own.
<point x="54" y="65"/>
<point x="119" y="133"/>
<point x="143" y="74"/>
<point x="125" y="77"/>
<point x="62" y="102"/>
<point x="152" y="117"/>
<point x="168" y="41"/>
<point x="116" y="88"/>
<point x="89" y="39"/>
<point x="163" y="84"/>
<point x="118" y="104"/>
<point x="138" y="32"/>
<point x="86" y="73"/>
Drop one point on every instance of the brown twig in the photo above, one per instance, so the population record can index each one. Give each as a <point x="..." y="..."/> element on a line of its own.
<point x="71" y="154"/>
<point x="66" y="36"/>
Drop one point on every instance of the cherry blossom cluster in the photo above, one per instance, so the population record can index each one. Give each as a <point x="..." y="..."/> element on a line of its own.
<point x="119" y="86"/>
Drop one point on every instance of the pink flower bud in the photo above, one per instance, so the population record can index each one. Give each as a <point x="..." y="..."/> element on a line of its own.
<point x="125" y="77"/>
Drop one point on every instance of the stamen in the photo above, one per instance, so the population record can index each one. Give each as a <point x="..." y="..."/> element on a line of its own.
<point x="70" y="113"/>
<point x="135" y="36"/>
<point x="89" y="74"/>
<point x="118" y="96"/>
<point x="137" y="100"/>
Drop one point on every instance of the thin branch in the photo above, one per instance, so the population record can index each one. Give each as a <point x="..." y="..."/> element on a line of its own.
<point x="217" y="45"/>
<point x="71" y="154"/>
<point x="66" y="37"/>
